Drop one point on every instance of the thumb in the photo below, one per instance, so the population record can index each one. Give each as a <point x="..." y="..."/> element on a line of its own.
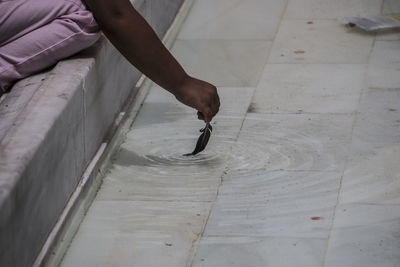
<point x="200" y="116"/>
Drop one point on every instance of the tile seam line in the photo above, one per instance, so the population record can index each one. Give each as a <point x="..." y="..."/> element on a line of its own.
<point x="283" y="170"/>
<point x="316" y="19"/>
<point x="317" y="63"/>
<point x="227" y="40"/>
<point x="306" y="113"/>
<point x="276" y="171"/>
<point x="224" y="173"/>
<point x="150" y="201"/>
<point x="372" y="204"/>
<point x="356" y="115"/>
<point x="340" y="187"/>
<point x="281" y="19"/>
<point x="265" y="236"/>
<point x="267" y="59"/>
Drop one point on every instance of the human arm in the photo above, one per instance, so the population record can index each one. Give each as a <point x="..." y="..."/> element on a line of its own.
<point x="138" y="43"/>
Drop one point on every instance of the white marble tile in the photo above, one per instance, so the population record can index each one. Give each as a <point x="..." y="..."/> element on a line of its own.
<point x="385" y="53"/>
<point x="259" y="252"/>
<point x="384" y="69"/>
<point x="391" y="6"/>
<point x="233" y="19"/>
<point x="290" y="204"/>
<point x="365" y="235"/>
<point x="389" y="35"/>
<point x="135" y="233"/>
<point x="372" y="172"/>
<point x="292" y="142"/>
<point x="165" y="124"/>
<point x="314" y="88"/>
<point x="223" y="63"/>
<point x="378" y="121"/>
<point x="234" y="101"/>
<point x="324" y="41"/>
<point x="328" y="9"/>
<point x="158" y="184"/>
<point x="373" y="178"/>
<point x="163" y="112"/>
<point x="278" y="185"/>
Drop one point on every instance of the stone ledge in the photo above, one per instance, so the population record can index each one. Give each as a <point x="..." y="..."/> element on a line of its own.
<point x="51" y="125"/>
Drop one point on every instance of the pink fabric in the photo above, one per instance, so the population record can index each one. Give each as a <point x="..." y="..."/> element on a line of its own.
<point x="35" y="34"/>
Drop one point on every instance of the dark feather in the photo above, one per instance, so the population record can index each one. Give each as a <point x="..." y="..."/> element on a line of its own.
<point x="203" y="140"/>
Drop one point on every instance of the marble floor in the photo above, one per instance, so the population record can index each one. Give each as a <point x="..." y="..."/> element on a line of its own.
<point x="303" y="166"/>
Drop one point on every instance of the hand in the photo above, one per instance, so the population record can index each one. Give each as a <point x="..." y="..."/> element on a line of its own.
<point x="199" y="95"/>
<point x="130" y="33"/>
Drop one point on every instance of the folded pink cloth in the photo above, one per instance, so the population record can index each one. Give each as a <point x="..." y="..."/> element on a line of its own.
<point x="36" y="34"/>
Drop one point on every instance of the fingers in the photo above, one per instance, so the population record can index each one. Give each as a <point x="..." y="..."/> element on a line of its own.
<point x="216" y="104"/>
<point x="214" y="107"/>
<point x="200" y="95"/>
<point x="208" y="115"/>
<point x="211" y="108"/>
<point x="200" y="116"/>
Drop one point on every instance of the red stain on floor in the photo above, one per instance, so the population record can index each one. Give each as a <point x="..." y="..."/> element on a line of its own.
<point x="310" y="22"/>
<point x="316" y="218"/>
<point x="299" y="52"/>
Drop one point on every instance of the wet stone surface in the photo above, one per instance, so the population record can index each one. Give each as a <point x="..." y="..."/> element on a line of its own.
<point x="301" y="161"/>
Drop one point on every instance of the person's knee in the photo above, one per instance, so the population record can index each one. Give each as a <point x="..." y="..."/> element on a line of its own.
<point x="22" y="17"/>
<point x="83" y="19"/>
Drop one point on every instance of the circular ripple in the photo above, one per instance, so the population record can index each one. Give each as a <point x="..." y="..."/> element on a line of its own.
<point x="290" y="150"/>
<point x="162" y="150"/>
<point x="175" y="157"/>
<point x="163" y="155"/>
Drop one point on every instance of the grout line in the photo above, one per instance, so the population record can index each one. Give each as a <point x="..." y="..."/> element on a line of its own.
<point x="267" y="59"/>
<point x="276" y="32"/>
<point x="265" y="236"/>
<point x="306" y="113"/>
<point x="340" y="188"/>
<point x="265" y="170"/>
<point x="318" y="63"/>
<point x="349" y="147"/>
<point x="315" y="19"/>
<point x="282" y="17"/>
<point x="226" y="40"/>
<point x="224" y="174"/>
<point x="154" y="200"/>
